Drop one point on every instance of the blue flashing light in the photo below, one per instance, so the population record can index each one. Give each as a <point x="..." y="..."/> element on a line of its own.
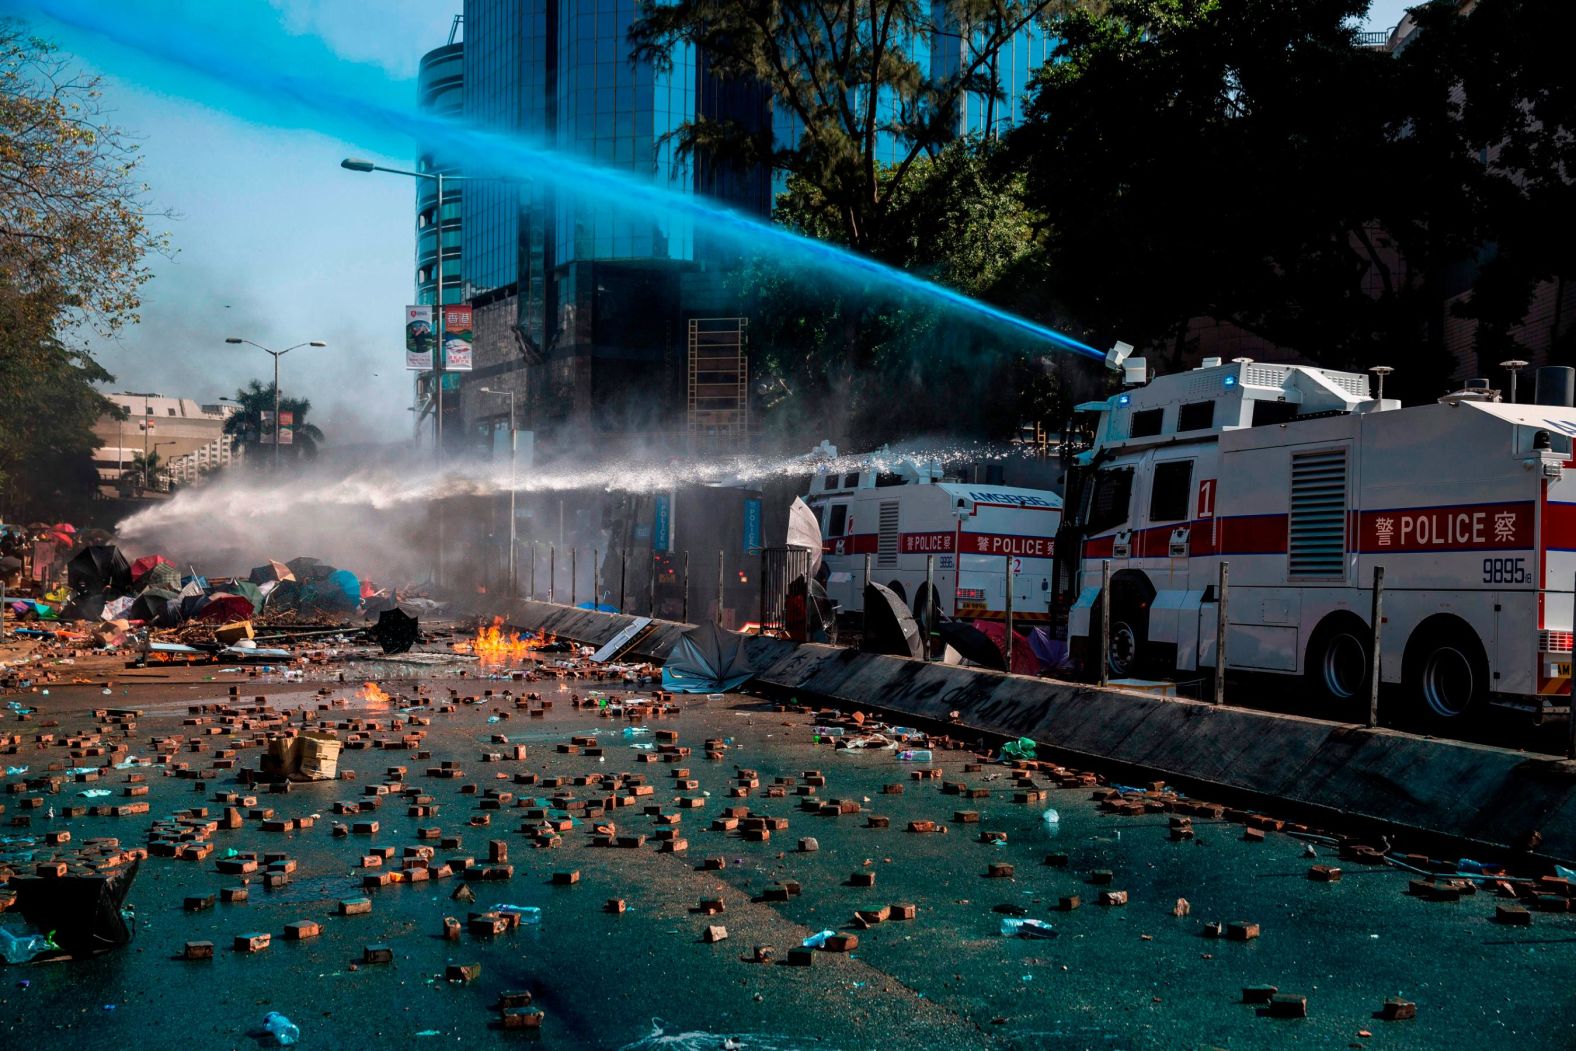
<point x="1124" y="399"/>
<point x="1231" y="381"/>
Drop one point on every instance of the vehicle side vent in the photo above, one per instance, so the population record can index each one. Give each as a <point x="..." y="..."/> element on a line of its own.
<point x="886" y="542"/>
<point x="1316" y="545"/>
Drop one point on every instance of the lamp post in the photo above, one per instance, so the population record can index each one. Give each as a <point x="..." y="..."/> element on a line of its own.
<point x="276" y="354"/>
<point x="514" y="447"/>
<point x="356" y="164"/>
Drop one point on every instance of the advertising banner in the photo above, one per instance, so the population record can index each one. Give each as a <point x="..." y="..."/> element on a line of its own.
<point x="753" y="541"/>
<point x="286" y="427"/>
<point x="457" y="338"/>
<point x="661" y="525"/>
<point x="418" y="338"/>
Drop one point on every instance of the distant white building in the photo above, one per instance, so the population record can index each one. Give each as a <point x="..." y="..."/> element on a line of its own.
<point x="188" y="436"/>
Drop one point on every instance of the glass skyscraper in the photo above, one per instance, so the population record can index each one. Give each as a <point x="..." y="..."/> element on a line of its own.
<point x="439" y="90"/>
<point x="585" y="306"/>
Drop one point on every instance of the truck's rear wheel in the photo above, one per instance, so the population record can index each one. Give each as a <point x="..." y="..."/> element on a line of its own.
<point x="1338" y="659"/>
<point x="1446" y="672"/>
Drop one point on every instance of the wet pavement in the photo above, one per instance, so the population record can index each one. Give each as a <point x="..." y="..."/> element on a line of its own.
<point x="1133" y="976"/>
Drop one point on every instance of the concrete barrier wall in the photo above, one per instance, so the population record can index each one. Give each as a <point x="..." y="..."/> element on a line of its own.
<point x="1491" y="796"/>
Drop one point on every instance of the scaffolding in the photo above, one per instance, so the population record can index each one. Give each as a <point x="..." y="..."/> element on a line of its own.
<point x="719" y="383"/>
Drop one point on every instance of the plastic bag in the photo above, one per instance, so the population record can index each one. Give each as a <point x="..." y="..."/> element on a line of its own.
<point x="1022" y="748"/>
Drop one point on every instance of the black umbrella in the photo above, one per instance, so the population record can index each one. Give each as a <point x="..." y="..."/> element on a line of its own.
<point x="10" y="564"/>
<point x="87" y="605"/>
<point x="927" y="608"/>
<point x="99" y="567"/>
<point x="889" y="628"/>
<point x="972" y="644"/>
<point x="191" y="605"/>
<point x="155" y="606"/>
<point x="286" y="595"/>
<point x="396" y="631"/>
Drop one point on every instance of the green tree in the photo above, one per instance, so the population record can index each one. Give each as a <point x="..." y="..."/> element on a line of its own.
<point x="246" y="426"/>
<point x="74" y="227"/>
<point x="144" y="469"/>
<point x="73" y="236"/>
<point x="844" y="73"/>
<point x="1247" y="162"/>
<point x="48" y="406"/>
<point x="862" y="367"/>
<point x="1500" y="78"/>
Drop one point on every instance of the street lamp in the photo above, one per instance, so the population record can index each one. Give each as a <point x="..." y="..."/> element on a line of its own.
<point x="277" y="354"/>
<point x="514" y="445"/>
<point x="356" y="164"/>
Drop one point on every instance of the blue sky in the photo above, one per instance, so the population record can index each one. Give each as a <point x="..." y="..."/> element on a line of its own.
<point x="272" y="240"/>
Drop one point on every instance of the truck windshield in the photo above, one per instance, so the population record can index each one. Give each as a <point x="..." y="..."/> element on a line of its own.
<point x="1105" y="506"/>
<point x="837" y="522"/>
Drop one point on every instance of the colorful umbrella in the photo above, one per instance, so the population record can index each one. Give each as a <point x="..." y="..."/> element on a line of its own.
<point x="271" y="571"/>
<point x="145" y="565"/>
<point x="225" y="608"/>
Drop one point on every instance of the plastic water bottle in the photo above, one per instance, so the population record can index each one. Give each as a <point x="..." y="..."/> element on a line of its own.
<point x="1014" y="927"/>
<point x="914" y="755"/>
<point x="529" y="915"/>
<point x="281" y="1028"/>
<point x="1052" y="822"/>
<point x="15" y="949"/>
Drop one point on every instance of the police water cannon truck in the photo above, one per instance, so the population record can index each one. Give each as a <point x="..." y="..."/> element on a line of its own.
<point x="1305" y="482"/>
<point x="908" y="516"/>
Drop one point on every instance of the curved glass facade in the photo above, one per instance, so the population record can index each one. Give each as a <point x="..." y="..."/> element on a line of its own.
<point x="440" y="88"/>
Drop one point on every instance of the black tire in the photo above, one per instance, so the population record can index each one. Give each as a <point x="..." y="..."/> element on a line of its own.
<point x="1337" y="669"/>
<point x="1446" y="673"/>
<point x="1127" y="650"/>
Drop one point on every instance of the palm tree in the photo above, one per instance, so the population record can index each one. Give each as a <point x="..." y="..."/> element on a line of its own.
<point x="144" y="466"/>
<point x="245" y="426"/>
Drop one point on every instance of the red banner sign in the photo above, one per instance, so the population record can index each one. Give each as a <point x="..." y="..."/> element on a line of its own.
<point x="1486" y="527"/>
<point x="997" y="544"/>
<point x="926" y="543"/>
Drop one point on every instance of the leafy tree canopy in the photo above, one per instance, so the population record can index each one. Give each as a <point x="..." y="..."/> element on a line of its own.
<point x="1248" y="162"/>
<point x="73" y="236"/>
<point x="73" y="216"/>
<point x="246" y="427"/>
<point x="844" y="76"/>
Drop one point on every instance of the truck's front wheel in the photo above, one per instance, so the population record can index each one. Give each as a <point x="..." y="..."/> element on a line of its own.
<point x="1125" y="650"/>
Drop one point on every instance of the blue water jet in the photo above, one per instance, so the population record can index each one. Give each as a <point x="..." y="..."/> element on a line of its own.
<point x="349" y="102"/>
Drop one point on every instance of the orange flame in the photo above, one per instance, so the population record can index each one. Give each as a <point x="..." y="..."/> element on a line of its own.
<point x="374" y="694"/>
<point x="495" y="646"/>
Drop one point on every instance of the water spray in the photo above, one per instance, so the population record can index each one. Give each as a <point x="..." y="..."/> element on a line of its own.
<point x="394" y="127"/>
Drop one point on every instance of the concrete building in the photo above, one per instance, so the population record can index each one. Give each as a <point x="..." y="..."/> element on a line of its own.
<point x="188" y="436"/>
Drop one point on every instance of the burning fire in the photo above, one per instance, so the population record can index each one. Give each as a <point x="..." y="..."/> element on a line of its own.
<point x="372" y="693"/>
<point x="496" y="646"/>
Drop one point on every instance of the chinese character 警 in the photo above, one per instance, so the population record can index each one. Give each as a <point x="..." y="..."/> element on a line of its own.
<point x="1384" y="529"/>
